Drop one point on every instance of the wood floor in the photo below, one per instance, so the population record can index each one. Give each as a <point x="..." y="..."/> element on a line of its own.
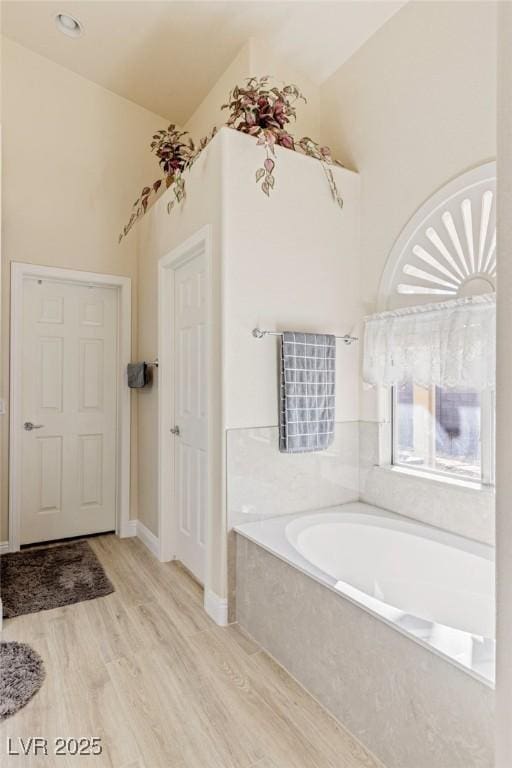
<point x="148" y="672"/>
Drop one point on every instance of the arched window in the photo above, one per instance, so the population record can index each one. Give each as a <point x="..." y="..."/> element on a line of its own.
<point x="447" y="251"/>
<point x="448" y="248"/>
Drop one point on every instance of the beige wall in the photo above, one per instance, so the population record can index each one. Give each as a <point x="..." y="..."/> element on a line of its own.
<point x="504" y="401"/>
<point x="209" y="113"/>
<point x="414" y="107"/>
<point x="88" y="159"/>
<point x="255" y="59"/>
<point x="159" y="234"/>
<point x="404" y="110"/>
<point x="74" y="157"/>
<point x="266" y="62"/>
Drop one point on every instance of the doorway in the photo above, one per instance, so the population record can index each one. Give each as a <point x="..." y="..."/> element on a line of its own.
<point x="70" y="407"/>
<point x="183" y="404"/>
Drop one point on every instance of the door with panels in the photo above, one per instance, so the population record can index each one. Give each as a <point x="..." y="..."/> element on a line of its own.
<point x="190" y="413"/>
<point x="69" y="409"/>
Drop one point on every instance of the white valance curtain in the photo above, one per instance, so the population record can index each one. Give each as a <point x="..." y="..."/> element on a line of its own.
<point x="450" y="344"/>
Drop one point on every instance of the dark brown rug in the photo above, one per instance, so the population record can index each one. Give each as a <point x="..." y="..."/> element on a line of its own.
<point x="21" y="676"/>
<point x="49" y="577"/>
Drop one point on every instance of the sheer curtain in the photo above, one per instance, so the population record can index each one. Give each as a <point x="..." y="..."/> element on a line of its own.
<point x="449" y="344"/>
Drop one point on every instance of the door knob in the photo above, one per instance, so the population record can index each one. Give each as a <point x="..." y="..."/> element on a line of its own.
<point x="28" y="426"/>
<point x="175" y="430"/>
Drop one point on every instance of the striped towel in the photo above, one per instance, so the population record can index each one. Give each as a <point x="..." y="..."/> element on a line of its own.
<point x="308" y="380"/>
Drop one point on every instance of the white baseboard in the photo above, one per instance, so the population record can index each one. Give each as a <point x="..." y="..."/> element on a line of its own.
<point x="216" y="607"/>
<point x="129" y="528"/>
<point x="148" y="538"/>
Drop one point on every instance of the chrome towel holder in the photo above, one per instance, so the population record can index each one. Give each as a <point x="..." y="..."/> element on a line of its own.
<point x="259" y="334"/>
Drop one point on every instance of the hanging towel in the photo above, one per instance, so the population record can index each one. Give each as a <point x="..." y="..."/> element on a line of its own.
<point x="137" y="375"/>
<point x="308" y="380"/>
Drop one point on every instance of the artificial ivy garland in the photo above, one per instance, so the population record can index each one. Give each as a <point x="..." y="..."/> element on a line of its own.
<point x="258" y="109"/>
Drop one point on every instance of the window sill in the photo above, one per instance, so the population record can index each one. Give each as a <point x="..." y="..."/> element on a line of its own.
<point x="426" y="477"/>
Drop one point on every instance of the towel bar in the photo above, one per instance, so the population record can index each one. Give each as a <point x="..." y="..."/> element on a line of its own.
<point x="259" y="334"/>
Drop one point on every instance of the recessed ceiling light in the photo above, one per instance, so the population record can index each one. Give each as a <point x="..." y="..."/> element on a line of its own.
<point x="68" y="25"/>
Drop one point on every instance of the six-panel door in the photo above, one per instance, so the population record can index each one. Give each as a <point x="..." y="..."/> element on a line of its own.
<point x="69" y="385"/>
<point x="190" y="385"/>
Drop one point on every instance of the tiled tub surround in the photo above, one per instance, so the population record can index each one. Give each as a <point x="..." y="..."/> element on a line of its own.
<point x="406" y="703"/>
<point x="262" y="482"/>
<point x="431" y="585"/>
<point x="452" y="506"/>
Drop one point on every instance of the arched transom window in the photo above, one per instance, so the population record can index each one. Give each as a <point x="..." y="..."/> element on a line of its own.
<point x="448" y="248"/>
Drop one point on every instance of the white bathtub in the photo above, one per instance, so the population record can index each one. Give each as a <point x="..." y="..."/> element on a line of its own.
<point x="432" y="585"/>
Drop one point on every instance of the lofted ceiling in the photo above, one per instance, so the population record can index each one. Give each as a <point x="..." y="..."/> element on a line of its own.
<point x="166" y="56"/>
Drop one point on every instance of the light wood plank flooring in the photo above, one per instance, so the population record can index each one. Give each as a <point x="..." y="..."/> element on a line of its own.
<point x="146" y="670"/>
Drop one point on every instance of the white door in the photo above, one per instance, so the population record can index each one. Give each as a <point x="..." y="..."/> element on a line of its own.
<point x="190" y="413"/>
<point x="68" y="391"/>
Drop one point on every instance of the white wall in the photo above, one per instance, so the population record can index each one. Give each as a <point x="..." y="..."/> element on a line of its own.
<point x="74" y="157"/>
<point x="504" y="402"/>
<point x="290" y="263"/>
<point x="414" y="107"/>
<point x="283" y="262"/>
<point x="159" y="233"/>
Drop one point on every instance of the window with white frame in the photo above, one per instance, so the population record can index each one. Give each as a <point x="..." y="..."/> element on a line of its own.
<point x="444" y="431"/>
<point x="439" y="368"/>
